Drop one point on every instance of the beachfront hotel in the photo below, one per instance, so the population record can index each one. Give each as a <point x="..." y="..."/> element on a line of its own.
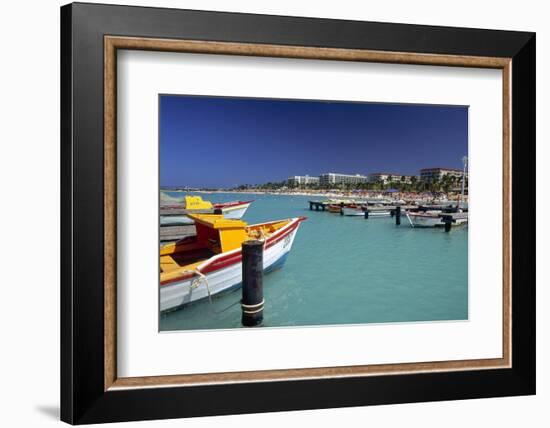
<point x="301" y="180"/>
<point x="330" y="178"/>
<point x="435" y="174"/>
<point x="387" y="177"/>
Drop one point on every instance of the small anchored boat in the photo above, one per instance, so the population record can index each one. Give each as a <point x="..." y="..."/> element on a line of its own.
<point x="425" y="219"/>
<point x="433" y="219"/>
<point x="336" y="209"/>
<point x="198" y="267"/>
<point x="353" y="210"/>
<point x="234" y="210"/>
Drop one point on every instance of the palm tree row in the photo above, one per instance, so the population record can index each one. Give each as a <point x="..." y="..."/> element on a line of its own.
<point x="445" y="184"/>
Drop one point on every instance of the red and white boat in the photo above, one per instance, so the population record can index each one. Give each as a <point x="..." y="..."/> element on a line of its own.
<point x="209" y="263"/>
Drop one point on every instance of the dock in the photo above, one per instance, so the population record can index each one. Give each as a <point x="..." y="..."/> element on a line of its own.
<point x="171" y="233"/>
<point x="318" y="205"/>
<point x="171" y="210"/>
<point x="175" y="233"/>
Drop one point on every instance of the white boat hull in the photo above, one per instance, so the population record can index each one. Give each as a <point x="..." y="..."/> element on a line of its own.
<point x="235" y="212"/>
<point x="359" y="212"/>
<point x="379" y="214"/>
<point x="433" y="221"/>
<point x="425" y="221"/>
<point x="180" y="293"/>
<point x="352" y="211"/>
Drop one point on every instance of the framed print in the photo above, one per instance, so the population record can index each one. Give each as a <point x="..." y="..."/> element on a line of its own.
<point x="273" y="213"/>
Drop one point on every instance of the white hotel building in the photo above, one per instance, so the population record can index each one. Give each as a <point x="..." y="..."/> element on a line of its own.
<point x="431" y="174"/>
<point x="301" y="180"/>
<point x="334" y="178"/>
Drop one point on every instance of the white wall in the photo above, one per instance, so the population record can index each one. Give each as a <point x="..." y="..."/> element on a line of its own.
<point x="29" y="165"/>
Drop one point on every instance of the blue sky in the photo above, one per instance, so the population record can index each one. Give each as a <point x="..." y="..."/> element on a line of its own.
<point x="224" y="142"/>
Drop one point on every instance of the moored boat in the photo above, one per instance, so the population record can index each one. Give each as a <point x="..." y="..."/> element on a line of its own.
<point x="232" y="210"/>
<point x="425" y="219"/>
<point x="433" y="219"/>
<point x="379" y="213"/>
<point x="209" y="263"/>
<point x="336" y="209"/>
<point x="353" y="210"/>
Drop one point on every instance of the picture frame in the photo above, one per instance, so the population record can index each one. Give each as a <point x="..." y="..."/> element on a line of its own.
<point x="91" y="391"/>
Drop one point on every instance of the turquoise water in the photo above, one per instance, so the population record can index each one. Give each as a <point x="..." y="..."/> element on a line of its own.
<point x="346" y="270"/>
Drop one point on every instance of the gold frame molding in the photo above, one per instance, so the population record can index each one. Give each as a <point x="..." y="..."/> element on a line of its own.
<point x="113" y="43"/>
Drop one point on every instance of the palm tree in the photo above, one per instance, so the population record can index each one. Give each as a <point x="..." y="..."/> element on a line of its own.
<point x="414" y="182"/>
<point x="446" y="183"/>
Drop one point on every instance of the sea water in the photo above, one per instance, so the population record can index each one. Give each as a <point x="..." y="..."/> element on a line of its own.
<point x="345" y="270"/>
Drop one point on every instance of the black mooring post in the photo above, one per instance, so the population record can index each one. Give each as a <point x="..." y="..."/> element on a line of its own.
<point x="448" y="222"/>
<point x="366" y="213"/>
<point x="398" y="216"/>
<point x="252" y="303"/>
<point x="341" y="208"/>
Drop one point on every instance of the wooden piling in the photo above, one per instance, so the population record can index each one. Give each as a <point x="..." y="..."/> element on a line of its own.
<point x="252" y="303"/>
<point x="398" y="216"/>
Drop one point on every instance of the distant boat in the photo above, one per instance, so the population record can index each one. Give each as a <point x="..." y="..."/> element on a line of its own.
<point x="336" y="209"/>
<point x="425" y="219"/>
<point x="232" y="210"/>
<point x="353" y="210"/>
<point x="209" y="263"/>
<point x="339" y="201"/>
<point x="431" y="219"/>
<point x="379" y="213"/>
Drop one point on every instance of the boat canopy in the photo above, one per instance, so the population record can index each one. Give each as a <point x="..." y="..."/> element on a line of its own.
<point x="197" y="203"/>
<point x="218" y="233"/>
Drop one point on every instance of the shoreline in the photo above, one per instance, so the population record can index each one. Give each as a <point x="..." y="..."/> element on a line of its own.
<point x="421" y="196"/>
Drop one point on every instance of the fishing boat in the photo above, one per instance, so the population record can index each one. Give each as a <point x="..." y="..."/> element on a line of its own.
<point x="334" y="201"/>
<point x="429" y="218"/>
<point x="232" y="210"/>
<point x="379" y="213"/>
<point x="333" y="208"/>
<point x="201" y="266"/>
<point x="433" y="218"/>
<point x="353" y="210"/>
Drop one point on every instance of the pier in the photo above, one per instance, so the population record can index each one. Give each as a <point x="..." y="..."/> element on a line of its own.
<point x="448" y="212"/>
<point x="175" y="211"/>
<point x="318" y="205"/>
<point x="170" y="233"/>
<point x="175" y="233"/>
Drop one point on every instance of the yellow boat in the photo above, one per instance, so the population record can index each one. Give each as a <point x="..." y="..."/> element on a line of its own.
<point x="208" y="263"/>
<point x="234" y="209"/>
